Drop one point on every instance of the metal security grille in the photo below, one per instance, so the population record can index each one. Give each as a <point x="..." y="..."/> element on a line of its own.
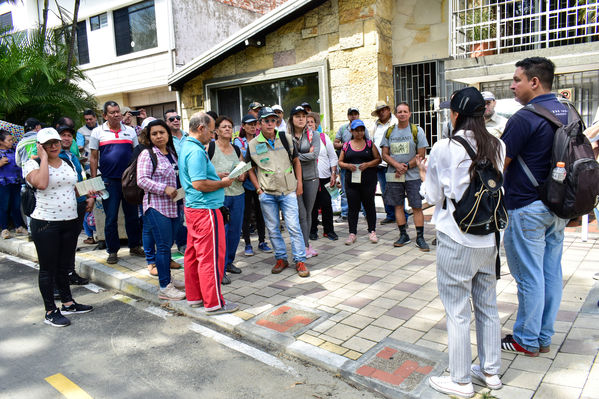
<point x="484" y="27"/>
<point x="584" y="87"/>
<point x="422" y="85"/>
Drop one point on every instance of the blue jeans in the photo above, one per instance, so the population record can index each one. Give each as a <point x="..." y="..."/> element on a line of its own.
<point x="236" y="205"/>
<point x="10" y="204"/>
<point x="533" y="244"/>
<point x="270" y="205"/>
<point x="149" y="243"/>
<point x="163" y="230"/>
<point x="344" y="206"/>
<point x="380" y="173"/>
<point x="111" y="208"/>
<point x="89" y="230"/>
<point x="181" y="237"/>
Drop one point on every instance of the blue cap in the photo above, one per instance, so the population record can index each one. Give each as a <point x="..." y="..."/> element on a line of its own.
<point x="265" y="112"/>
<point x="356" y="124"/>
<point x="249" y="119"/>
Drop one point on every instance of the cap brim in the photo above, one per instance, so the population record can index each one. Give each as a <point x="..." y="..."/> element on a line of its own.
<point x="444" y="104"/>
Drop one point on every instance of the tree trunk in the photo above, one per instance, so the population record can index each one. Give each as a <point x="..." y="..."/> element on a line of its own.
<point x="45" y="19"/>
<point x="72" y="40"/>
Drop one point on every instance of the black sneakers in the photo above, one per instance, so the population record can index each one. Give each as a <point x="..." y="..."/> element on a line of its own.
<point x="421" y="244"/>
<point x="76" y="308"/>
<point x="75" y="279"/>
<point x="403" y="240"/>
<point x="56" y="319"/>
<point x="233" y="269"/>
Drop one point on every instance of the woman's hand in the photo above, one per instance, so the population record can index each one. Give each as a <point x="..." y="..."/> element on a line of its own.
<point x="352" y="167"/>
<point x="333" y="179"/>
<point x="300" y="188"/>
<point x="41" y="152"/>
<point x="363" y="166"/>
<point x="170" y="191"/>
<point x="422" y="166"/>
<point x="223" y="174"/>
<point x="242" y="177"/>
<point x="90" y="204"/>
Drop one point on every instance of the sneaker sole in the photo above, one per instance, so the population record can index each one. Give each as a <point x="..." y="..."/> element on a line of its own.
<point x="423" y="249"/>
<point x="75" y="312"/>
<point x="249" y="254"/>
<point x="221" y="311"/>
<point x="439" y="388"/>
<point x="55" y="325"/>
<point x="401" y="245"/>
<point x="167" y="298"/>
<point x="483" y="379"/>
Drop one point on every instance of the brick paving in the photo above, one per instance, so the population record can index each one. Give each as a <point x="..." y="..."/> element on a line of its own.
<point x="374" y="292"/>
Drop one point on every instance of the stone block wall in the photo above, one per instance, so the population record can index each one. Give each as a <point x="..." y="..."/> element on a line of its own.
<point x="354" y="35"/>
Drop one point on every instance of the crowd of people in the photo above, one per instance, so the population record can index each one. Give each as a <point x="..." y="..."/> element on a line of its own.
<point x="205" y="189"/>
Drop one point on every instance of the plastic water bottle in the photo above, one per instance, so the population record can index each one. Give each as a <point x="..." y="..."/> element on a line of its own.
<point x="559" y="172"/>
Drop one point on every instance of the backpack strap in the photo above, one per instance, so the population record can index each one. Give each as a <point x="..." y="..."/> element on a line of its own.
<point x="545" y="114"/>
<point x="211" y="149"/>
<point x="345" y="145"/>
<point x="466" y="145"/>
<point x="389" y="130"/>
<point x="154" y="160"/>
<point x="283" y="138"/>
<point x="414" y="134"/>
<point x="323" y="139"/>
<point x="237" y="150"/>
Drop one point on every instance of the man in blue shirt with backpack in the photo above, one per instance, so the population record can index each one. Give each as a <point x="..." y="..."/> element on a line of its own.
<point x="534" y="237"/>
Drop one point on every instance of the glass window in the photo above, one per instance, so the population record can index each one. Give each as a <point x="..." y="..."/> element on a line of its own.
<point x="98" y="21"/>
<point x="135" y="28"/>
<point x="296" y="90"/>
<point x="6" y="21"/>
<point x="265" y="93"/>
<point x="82" y="48"/>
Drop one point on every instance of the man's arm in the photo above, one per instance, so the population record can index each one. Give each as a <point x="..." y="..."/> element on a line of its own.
<point x="93" y="163"/>
<point x="337" y="144"/>
<point x="208" y="186"/>
<point x="297" y="168"/>
<point x="507" y="163"/>
<point x="254" y="179"/>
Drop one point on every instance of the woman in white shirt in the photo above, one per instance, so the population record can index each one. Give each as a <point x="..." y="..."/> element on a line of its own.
<point x="54" y="226"/>
<point x="465" y="262"/>
<point x="327" y="173"/>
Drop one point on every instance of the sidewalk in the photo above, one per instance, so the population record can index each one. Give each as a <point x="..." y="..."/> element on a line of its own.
<point x="372" y="313"/>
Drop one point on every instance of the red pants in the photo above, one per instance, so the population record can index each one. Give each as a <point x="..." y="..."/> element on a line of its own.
<point x="205" y="256"/>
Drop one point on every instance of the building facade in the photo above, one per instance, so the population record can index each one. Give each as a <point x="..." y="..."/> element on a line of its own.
<point x="339" y="53"/>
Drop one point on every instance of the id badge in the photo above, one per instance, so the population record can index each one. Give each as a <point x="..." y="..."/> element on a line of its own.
<point x="261" y="148"/>
<point x="400" y="148"/>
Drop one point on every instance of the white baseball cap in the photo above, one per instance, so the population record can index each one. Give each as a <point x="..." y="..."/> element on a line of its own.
<point x="277" y="107"/>
<point x="147" y="121"/>
<point x="46" y="134"/>
<point x="487" y="95"/>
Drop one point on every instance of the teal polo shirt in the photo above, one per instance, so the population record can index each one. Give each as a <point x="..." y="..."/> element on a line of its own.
<point x="195" y="165"/>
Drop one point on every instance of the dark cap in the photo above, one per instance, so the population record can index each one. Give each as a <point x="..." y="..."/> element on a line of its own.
<point x="444" y="104"/>
<point x="468" y="102"/>
<point x="265" y="112"/>
<point x="64" y="128"/>
<point x="255" y="105"/>
<point x="352" y="109"/>
<point x="296" y="109"/>
<point x="306" y="104"/>
<point x="248" y="119"/>
<point x="31" y="123"/>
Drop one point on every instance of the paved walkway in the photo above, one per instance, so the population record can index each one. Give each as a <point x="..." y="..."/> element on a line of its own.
<point x="372" y="313"/>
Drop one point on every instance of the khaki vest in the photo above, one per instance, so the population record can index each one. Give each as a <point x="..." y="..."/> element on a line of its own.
<point x="274" y="169"/>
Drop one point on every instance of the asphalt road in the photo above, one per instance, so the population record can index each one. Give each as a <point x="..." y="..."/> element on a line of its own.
<point x="131" y="349"/>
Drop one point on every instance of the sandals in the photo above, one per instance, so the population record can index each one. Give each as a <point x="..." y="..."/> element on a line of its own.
<point x="152" y="270"/>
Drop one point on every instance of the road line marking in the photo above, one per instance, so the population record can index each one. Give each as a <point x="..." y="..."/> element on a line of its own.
<point x="68" y="388"/>
<point x="25" y="262"/>
<point x="229" y="342"/>
<point x="94" y="288"/>
<point x="124" y="299"/>
<point x="156" y="311"/>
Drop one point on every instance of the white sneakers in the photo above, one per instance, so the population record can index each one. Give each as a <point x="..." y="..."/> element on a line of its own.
<point x="492" y="382"/>
<point x="446" y="385"/>
<point x="171" y="293"/>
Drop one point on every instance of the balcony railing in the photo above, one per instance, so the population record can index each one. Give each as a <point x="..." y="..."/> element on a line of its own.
<point x="485" y="27"/>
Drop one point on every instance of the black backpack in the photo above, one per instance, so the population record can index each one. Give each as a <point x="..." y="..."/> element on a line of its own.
<point x="481" y="210"/>
<point x="211" y="149"/>
<point x="132" y="193"/>
<point x="28" y="193"/>
<point x="577" y="194"/>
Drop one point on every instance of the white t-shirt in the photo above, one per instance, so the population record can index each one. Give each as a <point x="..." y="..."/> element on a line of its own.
<point x="447" y="176"/>
<point x="58" y="200"/>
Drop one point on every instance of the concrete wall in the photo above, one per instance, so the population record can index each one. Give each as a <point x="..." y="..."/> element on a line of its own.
<point x="355" y="37"/>
<point x="199" y="24"/>
<point x="420" y="31"/>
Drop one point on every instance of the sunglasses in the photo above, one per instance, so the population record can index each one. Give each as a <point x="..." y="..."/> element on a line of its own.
<point x="172" y="118"/>
<point x="269" y="120"/>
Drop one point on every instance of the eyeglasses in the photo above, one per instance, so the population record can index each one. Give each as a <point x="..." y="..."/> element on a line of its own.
<point x="269" y="120"/>
<point x="172" y="118"/>
<point x="51" y="143"/>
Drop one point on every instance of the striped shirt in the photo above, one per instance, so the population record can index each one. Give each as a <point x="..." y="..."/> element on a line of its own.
<point x="116" y="148"/>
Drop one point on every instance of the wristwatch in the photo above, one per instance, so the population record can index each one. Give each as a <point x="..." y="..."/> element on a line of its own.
<point x="407" y="165"/>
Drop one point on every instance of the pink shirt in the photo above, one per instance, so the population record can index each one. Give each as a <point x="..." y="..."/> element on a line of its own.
<point x="154" y="184"/>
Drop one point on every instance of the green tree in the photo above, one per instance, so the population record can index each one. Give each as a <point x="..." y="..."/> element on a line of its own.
<point x="34" y="81"/>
